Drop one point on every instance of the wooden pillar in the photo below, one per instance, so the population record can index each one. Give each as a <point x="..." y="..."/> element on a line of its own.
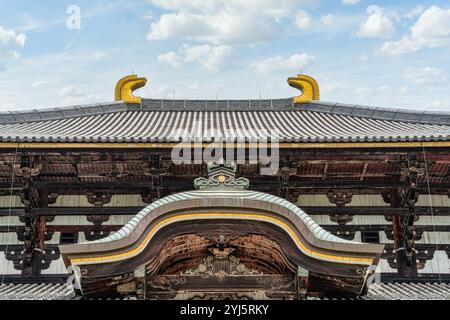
<point x="403" y="237"/>
<point x="43" y="204"/>
<point x="302" y="282"/>
<point x="35" y="229"/>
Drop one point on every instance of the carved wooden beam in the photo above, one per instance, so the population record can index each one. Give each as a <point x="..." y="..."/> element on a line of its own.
<point x="111" y="211"/>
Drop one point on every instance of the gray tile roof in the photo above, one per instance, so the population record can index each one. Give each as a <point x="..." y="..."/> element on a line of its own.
<point x="236" y="120"/>
<point x="382" y="291"/>
<point x="36" y="291"/>
<point x="409" y="291"/>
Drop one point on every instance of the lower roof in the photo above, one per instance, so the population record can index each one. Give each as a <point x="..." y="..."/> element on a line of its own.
<point x="381" y="291"/>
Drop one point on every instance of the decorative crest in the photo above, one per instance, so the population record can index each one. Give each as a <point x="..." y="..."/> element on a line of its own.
<point x="126" y="86"/>
<point x="221" y="175"/>
<point x="307" y="85"/>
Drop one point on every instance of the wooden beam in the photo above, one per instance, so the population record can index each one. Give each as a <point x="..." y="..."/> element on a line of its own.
<point x="376" y="211"/>
<point x="109" y="211"/>
<point x="311" y="210"/>
<point x="297" y="145"/>
<point x="382" y="228"/>
<point x="186" y="183"/>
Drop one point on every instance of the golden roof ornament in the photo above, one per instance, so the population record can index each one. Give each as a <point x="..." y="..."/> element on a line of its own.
<point x="307" y="85"/>
<point x="126" y="86"/>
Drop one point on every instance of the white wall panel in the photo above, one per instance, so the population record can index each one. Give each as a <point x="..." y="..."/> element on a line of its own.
<point x="439" y="264"/>
<point x="7" y="267"/>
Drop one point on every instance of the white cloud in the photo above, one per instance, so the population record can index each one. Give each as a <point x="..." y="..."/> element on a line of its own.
<point x="414" y="13"/>
<point x="223" y="22"/>
<point x="71" y="95"/>
<point x="71" y="91"/>
<point x="425" y="75"/>
<point x="10" y="36"/>
<point x="363" y="92"/>
<point x="384" y="88"/>
<point x="193" y="90"/>
<point x="303" y="20"/>
<point x="327" y="19"/>
<point x="8" y="99"/>
<point x="40" y="83"/>
<point x="10" y="41"/>
<point x="171" y="58"/>
<point x="402" y="46"/>
<point x="431" y="30"/>
<point x="376" y="25"/>
<point x="293" y="63"/>
<point x="210" y="57"/>
<point x="218" y="29"/>
<point x="99" y="55"/>
<point x="350" y="2"/>
<point x="273" y="8"/>
<point x="28" y="23"/>
<point x="14" y="55"/>
<point x="6" y="93"/>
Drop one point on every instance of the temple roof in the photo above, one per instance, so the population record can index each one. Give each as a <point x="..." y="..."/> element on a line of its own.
<point x="162" y="121"/>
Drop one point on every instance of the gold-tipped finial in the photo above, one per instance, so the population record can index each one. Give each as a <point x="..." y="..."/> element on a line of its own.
<point x="126" y="86"/>
<point x="307" y="85"/>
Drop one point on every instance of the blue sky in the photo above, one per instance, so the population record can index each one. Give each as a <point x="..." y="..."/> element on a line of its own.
<point x="380" y="53"/>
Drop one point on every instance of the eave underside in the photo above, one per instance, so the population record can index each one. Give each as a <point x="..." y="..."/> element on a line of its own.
<point x="150" y="175"/>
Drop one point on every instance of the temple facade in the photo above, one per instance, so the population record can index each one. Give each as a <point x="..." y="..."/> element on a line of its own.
<point x="188" y="199"/>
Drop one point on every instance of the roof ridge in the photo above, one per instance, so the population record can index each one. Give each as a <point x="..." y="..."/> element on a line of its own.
<point x="33" y="115"/>
<point x="278" y="104"/>
<point x="380" y="113"/>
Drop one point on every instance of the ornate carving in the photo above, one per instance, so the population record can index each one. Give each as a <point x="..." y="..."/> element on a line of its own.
<point x="386" y="194"/>
<point x="221" y="175"/>
<point x="30" y="198"/>
<point x="423" y="256"/>
<point x="32" y="169"/>
<point x="149" y="196"/>
<point x="220" y="264"/>
<point x="98" y="219"/>
<point x="94" y="235"/>
<point x="412" y="165"/>
<point x="341" y="219"/>
<point x="405" y="232"/>
<point x="99" y="198"/>
<point x="293" y="195"/>
<point x="345" y="234"/>
<point x="222" y="239"/>
<point x="52" y="197"/>
<point x="23" y="236"/>
<point x="41" y="259"/>
<point x="340" y="198"/>
<point x="416" y="232"/>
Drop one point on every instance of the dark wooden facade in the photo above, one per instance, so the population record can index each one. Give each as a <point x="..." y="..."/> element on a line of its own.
<point x="399" y="175"/>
